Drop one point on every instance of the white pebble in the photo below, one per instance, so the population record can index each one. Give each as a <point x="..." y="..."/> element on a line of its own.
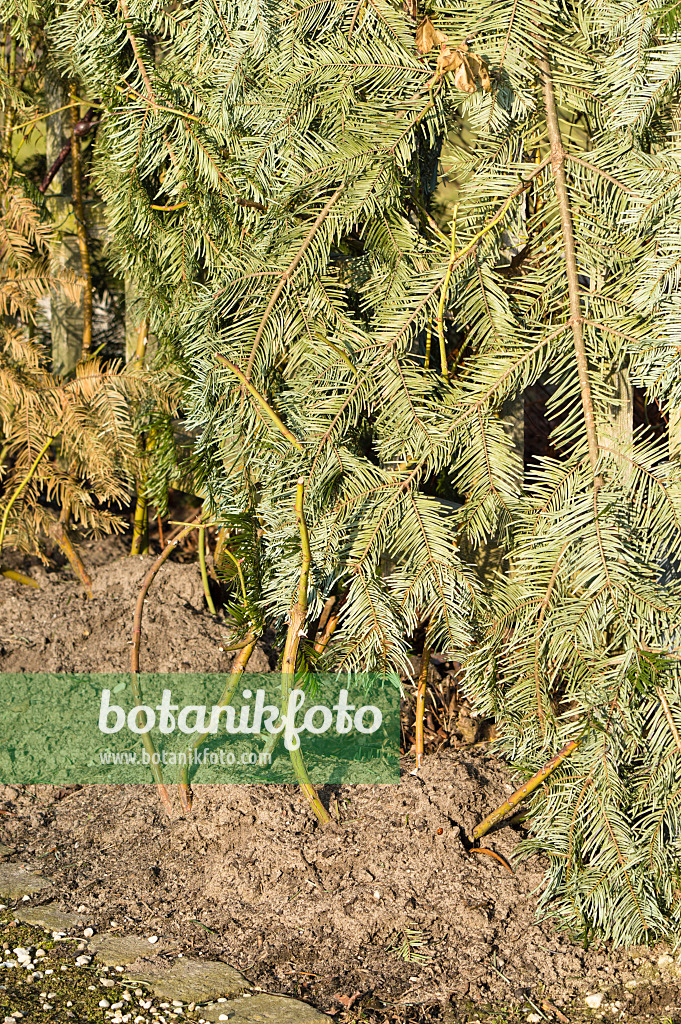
<point x="82" y="961"/>
<point x="82" y="908"/>
<point x="88" y="933"/>
<point x="177" y="1002"/>
<point x="533" y="1018"/>
<point x="47" y="1006"/>
<point x="40" y="952"/>
<point x="145" y="1003"/>
<point x="3" y="906"/>
<point x="594" y="1001"/>
<point x="69" y="1003"/>
<point x="223" y="1016"/>
<point x="24" y="899"/>
<point x="104" y="1003"/>
<point x="152" y="938"/>
<point x="116" y="1006"/>
<point x="107" y="982"/>
<point x="58" y="935"/>
<point x="49" y="971"/>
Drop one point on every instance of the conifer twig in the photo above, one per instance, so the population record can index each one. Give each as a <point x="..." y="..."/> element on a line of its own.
<point x="276" y="419"/>
<point x="443" y="297"/>
<point x="19" y="489"/>
<point x="288" y="273"/>
<point x="558" y="156"/>
<point x="136" y="50"/>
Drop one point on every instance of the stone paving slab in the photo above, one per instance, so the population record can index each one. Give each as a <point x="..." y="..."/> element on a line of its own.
<point x="50" y="917"/>
<point x="119" y="950"/>
<point x="192" y="981"/>
<point x="261" y="1009"/>
<point x="16" y="881"/>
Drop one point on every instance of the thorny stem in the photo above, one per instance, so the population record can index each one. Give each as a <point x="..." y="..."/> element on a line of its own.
<point x="558" y="157"/>
<point x="525" y="790"/>
<point x="238" y="669"/>
<point x="204" y="570"/>
<point x="276" y="419"/>
<point x="289" y="272"/>
<point x="135" y="657"/>
<point x="288" y="668"/>
<point x="81" y="230"/>
<point x="421" y="705"/>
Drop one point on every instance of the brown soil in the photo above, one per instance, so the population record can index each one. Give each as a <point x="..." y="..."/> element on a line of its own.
<point x="250" y="877"/>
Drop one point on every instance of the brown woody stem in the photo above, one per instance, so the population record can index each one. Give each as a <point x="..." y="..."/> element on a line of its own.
<point x="81" y="230"/>
<point x="135" y="657"/>
<point x="558" y="157"/>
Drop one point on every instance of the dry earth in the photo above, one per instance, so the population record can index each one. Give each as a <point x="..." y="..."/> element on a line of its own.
<point x="251" y="878"/>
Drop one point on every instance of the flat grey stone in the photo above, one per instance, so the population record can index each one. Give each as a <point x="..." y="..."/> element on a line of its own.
<point x="262" y="1009"/>
<point x="17" y="881"/>
<point x="50" y="917"/>
<point x="119" y="950"/>
<point x="192" y="981"/>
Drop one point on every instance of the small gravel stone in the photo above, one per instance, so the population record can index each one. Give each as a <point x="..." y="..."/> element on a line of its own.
<point x="88" y="933"/>
<point x="107" y="982"/>
<point x="104" y="1003"/>
<point x="152" y="939"/>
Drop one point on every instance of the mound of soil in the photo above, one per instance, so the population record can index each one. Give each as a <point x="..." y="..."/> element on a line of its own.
<point x="383" y="910"/>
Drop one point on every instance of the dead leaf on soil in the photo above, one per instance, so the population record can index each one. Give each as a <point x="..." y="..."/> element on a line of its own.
<point x="348" y="1001"/>
<point x="468" y="67"/>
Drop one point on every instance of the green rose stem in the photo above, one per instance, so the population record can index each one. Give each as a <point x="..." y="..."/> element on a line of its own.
<point x="135" y="656"/>
<point x="204" y="570"/>
<point x="288" y="668"/>
<point x="525" y="790"/>
<point x="238" y="669"/>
